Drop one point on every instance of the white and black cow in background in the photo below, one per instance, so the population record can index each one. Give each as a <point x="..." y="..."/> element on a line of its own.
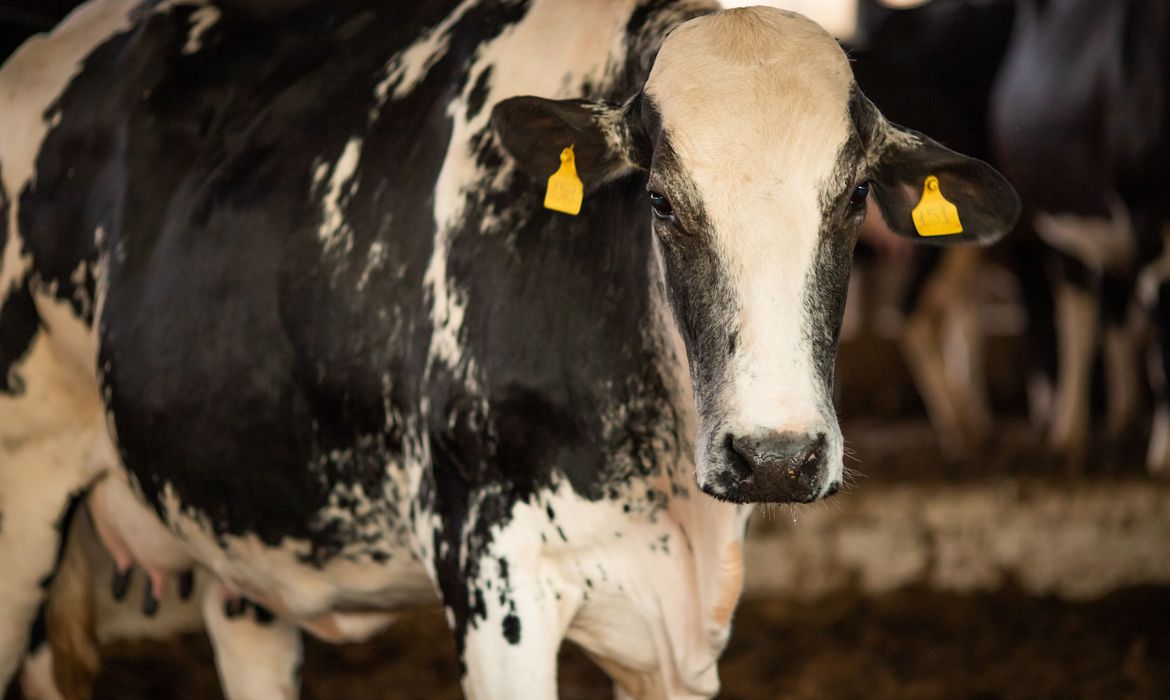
<point x="932" y="68"/>
<point x="280" y="299"/>
<point x="1081" y="120"/>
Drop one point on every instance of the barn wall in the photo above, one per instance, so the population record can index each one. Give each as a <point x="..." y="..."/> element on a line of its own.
<point x="1078" y="541"/>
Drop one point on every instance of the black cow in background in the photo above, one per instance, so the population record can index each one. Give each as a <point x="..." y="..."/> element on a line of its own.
<point x="934" y="65"/>
<point x="933" y="68"/>
<point x="1075" y="93"/>
<point x="1081" y="117"/>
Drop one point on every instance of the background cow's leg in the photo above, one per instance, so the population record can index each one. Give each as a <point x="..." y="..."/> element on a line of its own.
<point x="257" y="660"/>
<point x="922" y="349"/>
<point x="1032" y="264"/>
<point x="1121" y="343"/>
<point x="1154" y="293"/>
<point x="965" y="353"/>
<point x="1077" y="313"/>
<point x="1124" y="378"/>
<point x="944" y="371"/>
<point x="1158" y="451"/>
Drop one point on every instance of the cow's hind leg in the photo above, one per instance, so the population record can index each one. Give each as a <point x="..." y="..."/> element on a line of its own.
<point x="34" y="510"/>
<point x="47" y="421"/>
<point x="36" y="678"/>
<point x="35" y="504"/>
<point x="71" y="614"/>
<point x="258" y="656"/>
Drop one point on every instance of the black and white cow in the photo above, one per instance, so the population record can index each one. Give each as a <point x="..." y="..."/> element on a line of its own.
<point x="280" y="296"/>
<point x="931" y="67"/>
<point x="1081" y="115"/>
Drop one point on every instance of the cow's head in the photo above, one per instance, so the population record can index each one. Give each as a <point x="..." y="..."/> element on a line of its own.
<point x="759" y="153"/>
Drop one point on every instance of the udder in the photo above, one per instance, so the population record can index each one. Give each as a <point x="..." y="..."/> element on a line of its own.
<point x="134" y="536"/>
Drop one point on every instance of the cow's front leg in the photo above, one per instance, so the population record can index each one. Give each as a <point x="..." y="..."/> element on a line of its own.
<point x="258" y="656"/>
<point x="510" y="650"/>
<point x="508" y="615"/>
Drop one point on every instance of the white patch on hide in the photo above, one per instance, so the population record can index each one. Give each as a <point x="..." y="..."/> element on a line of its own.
<point x="1100" y="244"/>
<point x="201" y="20"/>
<point x="407" y="69"/>
<point x="334" y="231"/>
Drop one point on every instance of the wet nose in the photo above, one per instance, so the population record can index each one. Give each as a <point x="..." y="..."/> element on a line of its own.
<point x="779" y="466"/>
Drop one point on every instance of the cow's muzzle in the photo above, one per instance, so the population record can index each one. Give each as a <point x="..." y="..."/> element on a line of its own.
<point x="771" y="467"/>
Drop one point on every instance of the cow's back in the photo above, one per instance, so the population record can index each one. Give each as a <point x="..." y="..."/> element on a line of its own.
<point x="1081" y="101"/>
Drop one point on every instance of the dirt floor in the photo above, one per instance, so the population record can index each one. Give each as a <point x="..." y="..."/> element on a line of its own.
<point x="908" y="645"/>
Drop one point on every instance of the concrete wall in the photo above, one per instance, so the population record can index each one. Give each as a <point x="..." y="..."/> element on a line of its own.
<point x="1076" y="541"/>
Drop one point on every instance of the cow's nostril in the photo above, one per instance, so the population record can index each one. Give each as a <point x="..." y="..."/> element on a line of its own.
<point x="740" y="455"/>
<point x="808" y="460"/>
<point x="833" y="489"/>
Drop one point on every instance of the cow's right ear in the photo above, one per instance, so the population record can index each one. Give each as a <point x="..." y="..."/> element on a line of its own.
<point x="534" y="131"/>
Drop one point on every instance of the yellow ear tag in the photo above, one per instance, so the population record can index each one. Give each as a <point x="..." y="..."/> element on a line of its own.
<point x="934" y="215"/>
<point x="565" y="190"/>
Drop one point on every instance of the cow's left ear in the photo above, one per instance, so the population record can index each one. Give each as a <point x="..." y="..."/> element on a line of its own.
<point x="534" y="131"/>
<point x="910" y="170"/>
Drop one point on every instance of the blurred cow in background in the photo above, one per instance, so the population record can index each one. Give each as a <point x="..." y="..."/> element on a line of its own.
<point x="1078" y="95"/>
<point x="1081" y="118"/>
<point x="933" y="67"/>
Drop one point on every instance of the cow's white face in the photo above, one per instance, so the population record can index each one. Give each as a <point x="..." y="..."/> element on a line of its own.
<point x="750" y="121"/>
<point x="760" y="152"/>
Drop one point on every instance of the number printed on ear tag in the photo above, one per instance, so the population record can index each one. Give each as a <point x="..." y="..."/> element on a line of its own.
<point x="565" y="191"/>
<point x="934" y="215"/>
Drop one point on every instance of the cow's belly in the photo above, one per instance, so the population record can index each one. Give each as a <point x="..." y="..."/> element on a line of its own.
<point x="339" y="600"/>
<point x="343" y="599"/>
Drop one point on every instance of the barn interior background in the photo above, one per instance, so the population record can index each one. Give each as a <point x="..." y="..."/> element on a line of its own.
<point x="965" y="560"/>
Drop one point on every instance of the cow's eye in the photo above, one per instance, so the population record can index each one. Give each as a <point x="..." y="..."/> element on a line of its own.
<point x="860" y="193"/>
<point x="661" y="206"/>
